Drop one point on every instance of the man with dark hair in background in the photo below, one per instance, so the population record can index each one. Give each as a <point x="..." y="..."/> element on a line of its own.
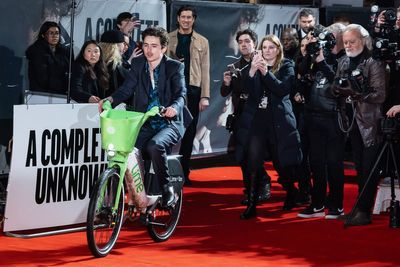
<point x="126" y="23"/>
<point x="290" y="43"/>
<point x="233" y="84"/>
<point x="291" y="50"/>
<point x="306" y="22"/>
<point x="192" y="49"/>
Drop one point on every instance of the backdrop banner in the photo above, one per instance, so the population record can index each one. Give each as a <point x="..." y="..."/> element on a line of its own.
<point x="57" y="157"/>
<point x="93" y="17"/>
<point x="219" y="22"/>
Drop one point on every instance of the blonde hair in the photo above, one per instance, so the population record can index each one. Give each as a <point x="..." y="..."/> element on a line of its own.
<point x="111" y="54"/>
<point x="275" y="40"/>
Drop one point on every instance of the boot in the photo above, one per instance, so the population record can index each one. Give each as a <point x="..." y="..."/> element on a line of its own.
<point x="359" y="218"/>
<point x="264" y="189"/>
<point x="291" y="194"/>
<point x="250" y="211"/>
<point x="246" y="189"/>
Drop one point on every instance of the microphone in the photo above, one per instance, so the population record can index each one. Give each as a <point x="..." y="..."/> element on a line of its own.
<point x="374" y="15"/>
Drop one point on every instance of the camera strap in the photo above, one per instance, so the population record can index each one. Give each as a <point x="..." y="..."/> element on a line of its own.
<point x="342" y="114"/>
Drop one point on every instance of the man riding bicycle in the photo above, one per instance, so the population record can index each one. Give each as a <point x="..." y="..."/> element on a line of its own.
<point x="156" y="80"/>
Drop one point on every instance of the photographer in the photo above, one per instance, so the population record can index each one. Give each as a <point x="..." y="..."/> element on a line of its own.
<point x="233" y="84"/>
<point x="362" y="78"/>
<point x="327" y="141"/>
<point x="267" y="122"/>
<point x="386" y="44"/>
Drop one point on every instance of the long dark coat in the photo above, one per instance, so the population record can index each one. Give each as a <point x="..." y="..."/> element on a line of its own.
<point x="286" y="137"/>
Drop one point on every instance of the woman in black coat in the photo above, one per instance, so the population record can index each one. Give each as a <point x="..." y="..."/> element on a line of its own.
<point x="90" y="79"/>
<point x="48" y="61"/>
<point x="267" y="123"/>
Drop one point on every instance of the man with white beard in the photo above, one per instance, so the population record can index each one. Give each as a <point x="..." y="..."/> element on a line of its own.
<point x="363" y="80"/>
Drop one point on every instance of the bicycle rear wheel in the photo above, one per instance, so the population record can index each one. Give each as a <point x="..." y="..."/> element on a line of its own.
<point x="163" y="221"/>
<point x="104" y="223"/>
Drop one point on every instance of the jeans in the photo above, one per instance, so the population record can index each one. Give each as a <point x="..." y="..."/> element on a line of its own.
<point x="156" y="144"/>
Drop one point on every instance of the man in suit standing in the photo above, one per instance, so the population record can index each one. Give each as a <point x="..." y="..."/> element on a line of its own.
<point x="306" y="22"/>
<point x="192" y="49"/>
<point x="156" y="80"/>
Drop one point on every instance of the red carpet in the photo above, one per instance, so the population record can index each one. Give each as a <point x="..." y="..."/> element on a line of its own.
<point x="211" y="234"/>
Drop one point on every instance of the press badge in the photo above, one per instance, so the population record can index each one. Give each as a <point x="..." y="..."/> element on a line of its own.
<point x="264" y="102"/>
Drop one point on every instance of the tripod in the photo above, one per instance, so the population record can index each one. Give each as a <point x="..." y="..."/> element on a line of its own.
<point x="394" y="204"/>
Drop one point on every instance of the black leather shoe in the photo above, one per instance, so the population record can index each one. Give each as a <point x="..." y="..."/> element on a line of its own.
<point x="290" y="202"/>
<point x="359" y="218"/>
<point x="168" y="195"/>
<point x="249" y="212"/>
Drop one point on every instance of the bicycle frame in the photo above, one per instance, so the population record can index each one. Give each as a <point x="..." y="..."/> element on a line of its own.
<point x="123" y="128"/>
<point x="119" y="159"/>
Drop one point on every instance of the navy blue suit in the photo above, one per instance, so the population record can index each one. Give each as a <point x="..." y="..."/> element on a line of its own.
<point x="171" y="93"/>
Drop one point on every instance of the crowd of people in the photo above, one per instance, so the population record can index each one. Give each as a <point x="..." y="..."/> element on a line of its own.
<point x="294" y="99"/>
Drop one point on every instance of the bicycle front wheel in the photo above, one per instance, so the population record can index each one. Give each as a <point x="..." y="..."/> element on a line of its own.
<point x="103" y="220"/>
<point x="163" y="220"/>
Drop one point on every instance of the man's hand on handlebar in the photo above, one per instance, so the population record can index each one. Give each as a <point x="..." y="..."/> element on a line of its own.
<point x="168" y="112"/>
<point x="101" y="102"/>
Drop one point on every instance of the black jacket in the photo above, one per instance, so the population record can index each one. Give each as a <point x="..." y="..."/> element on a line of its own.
<point x="237" y="87"/>
<point x="83" y="86"/>
<point x="47" y="71"/>
<point x="286" y="137"/>
<point x="171" y="88"/>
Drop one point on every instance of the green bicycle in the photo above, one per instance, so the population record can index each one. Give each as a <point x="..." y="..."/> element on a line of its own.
<point x="107" y="211"/>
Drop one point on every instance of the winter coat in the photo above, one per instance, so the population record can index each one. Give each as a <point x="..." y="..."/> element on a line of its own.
<point x="285" y="135"/>
<point x="47" y="70"/>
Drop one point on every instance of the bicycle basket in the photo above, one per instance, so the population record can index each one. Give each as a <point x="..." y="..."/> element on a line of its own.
<point x="120" y="128"/>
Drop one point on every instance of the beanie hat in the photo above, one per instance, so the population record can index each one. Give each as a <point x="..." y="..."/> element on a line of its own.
<point x="112" y="36"/>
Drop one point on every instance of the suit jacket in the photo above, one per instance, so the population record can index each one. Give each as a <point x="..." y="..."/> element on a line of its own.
<point x="171" y="88"/>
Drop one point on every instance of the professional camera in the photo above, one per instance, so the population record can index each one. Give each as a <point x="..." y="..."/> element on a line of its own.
<point x="234" y="72"/>
<point x="391" y="125"/>
<point x="385" y="45"/>
<point x="351" y="85"/>
<point x="325" y="40"/>
<point x="390" y="18"/>
<point x="384" y="49"/>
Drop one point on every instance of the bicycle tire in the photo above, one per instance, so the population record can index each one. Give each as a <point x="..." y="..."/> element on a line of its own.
<point x="103" y="227"/>
<point x="167" y="216"/>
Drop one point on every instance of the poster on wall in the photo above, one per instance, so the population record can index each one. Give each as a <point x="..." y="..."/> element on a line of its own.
<point x="219" y="23"/>
<point x="93" y="17"/>
<point x="57" y="157"/>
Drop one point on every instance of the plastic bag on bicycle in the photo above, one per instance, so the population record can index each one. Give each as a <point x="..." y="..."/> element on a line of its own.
<point x="134" y="180"/>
